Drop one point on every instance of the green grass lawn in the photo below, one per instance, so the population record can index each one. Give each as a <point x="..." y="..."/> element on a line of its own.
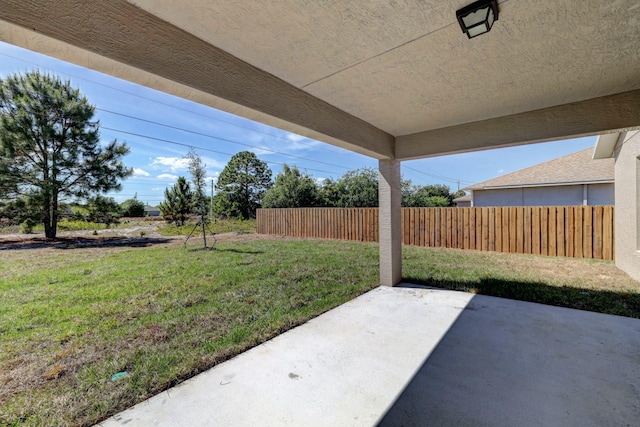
<point x="72" y="318"/>
<point x="241" y="226"/>
<point x="584" y="284"/>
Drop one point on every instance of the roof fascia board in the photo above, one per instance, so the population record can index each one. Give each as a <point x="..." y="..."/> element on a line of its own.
<point x="585" y="118"/>
<point x="551" y="184"/>
<point x="606" y="144"/>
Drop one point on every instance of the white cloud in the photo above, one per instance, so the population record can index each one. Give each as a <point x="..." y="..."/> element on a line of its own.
<point x="172" y="163"/>
<point x="280" y="141"/>
<point x="320" y="181"/>
<point x="297" y="142"/>
<point x="501" y="171"/>
<point x="213" y="163"/>
<point x="176" y="164"/>
<point x="294" y="137"/>
<point x="140" y="172"/>
<point x="167" y="176"/>
<point x="261" y="151"/>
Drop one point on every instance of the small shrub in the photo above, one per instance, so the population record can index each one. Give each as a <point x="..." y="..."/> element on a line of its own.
<point x="27" y="226"/>
<point x="132" y="208"/>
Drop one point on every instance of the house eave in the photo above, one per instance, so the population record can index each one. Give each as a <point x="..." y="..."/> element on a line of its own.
<point x="546" y="184"/>
<point x="606" y="144"/>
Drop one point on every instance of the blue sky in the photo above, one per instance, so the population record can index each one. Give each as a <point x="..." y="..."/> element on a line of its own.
<point x="160" y="128"/>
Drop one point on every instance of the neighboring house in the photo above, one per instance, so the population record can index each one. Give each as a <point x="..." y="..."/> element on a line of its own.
<point x="575" y="179"/>
<point x="463" y="202"/>
<point x="151" y="211"/>
<point x="624" y="149"/>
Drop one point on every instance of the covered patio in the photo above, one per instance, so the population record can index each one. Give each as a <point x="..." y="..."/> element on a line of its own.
<point x="394" y="80"/>
<point x="417" y="356"/>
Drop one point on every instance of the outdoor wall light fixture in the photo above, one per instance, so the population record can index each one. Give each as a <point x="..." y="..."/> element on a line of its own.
<point x="478" y="17"/>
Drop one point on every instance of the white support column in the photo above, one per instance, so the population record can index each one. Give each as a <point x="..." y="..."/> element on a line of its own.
<point x="390" y="221"/>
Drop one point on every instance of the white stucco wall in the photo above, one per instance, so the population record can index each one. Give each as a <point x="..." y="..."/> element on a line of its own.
<point x="627" y="213"/>
<point x="554" y="196"/>
<point x="503" y="197"/>
<point x="601" y="194"/>
<point x="565" y="195"/>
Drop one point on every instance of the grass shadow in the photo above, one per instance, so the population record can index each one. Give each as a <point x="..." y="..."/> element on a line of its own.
<point x="240" y="251"/>
<point x="601" y="301"/>
<point x="65" y="243"/>
<point x="228" y="250"/>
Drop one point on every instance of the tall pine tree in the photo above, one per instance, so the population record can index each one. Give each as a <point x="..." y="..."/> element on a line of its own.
<point x="241" y="186"/>
<point x="178" y="202"/>
<point x="50" y="147"/>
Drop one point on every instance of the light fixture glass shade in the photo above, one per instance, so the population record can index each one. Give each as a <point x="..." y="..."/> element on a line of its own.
<point x="475" y="18"/>
<point x="477" y="30"/>
<point x="478" y="18"/>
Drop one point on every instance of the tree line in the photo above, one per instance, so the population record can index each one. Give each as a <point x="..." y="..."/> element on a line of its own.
<point x="98" y="209"/>
<point x="356" y="188"/>
<point x="245" y="185"/>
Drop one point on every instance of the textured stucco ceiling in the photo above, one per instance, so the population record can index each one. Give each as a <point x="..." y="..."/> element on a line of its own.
<point x="406" y="67"/>
<point x="392" y="79"/>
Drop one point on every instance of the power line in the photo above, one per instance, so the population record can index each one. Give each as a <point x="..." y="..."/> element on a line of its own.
<point x="220" y="139"/>
<point x="444" y="178"/>
<point x="454" y="180"/>
<point x="199" y="148"/>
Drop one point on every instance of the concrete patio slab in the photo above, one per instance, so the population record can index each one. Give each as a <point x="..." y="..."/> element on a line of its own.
<point x="418" y="356"/>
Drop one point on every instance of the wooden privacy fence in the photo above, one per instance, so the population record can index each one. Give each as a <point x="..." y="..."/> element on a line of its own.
<point x="327" y="223"/>
<point x="571" y="231"/>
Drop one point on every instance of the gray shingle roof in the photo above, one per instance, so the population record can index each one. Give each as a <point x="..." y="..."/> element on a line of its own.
<point x="465" y="198"/>
<point x="576" y="168"/>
